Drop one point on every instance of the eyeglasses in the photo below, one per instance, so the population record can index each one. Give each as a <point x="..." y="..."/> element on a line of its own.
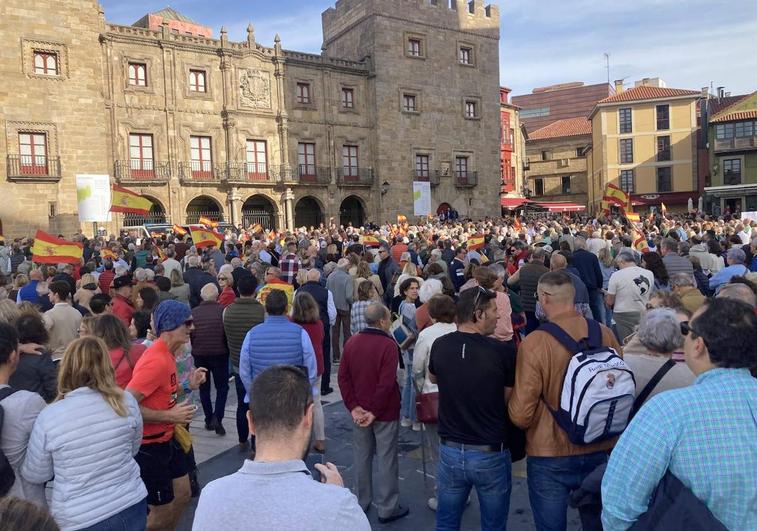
<point x="686" y="328"/>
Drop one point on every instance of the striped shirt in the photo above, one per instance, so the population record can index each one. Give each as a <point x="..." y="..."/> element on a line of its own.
<point x="706" y="435"/>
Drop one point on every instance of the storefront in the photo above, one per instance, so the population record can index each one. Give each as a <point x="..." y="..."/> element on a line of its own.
<point x="732" y="199"/>
<point x="673" y="201"/>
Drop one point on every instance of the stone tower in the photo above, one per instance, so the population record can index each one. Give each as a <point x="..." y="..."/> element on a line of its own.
<point x="435" y="94"/>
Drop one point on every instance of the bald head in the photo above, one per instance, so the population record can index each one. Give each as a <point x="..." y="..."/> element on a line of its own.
<point x="314" y="275"/>
<point x="557" y="262"/>
<point x="376" y="313"/>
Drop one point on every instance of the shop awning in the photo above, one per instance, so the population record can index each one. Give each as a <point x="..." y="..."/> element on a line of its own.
<point x="513" y="202"/>
<point x="561" y="207"/>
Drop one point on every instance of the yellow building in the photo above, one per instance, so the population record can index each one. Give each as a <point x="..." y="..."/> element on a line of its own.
<point x="645" y="142"/>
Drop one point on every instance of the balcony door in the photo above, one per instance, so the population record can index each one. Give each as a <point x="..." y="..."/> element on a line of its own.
<point x="33" y="153"/>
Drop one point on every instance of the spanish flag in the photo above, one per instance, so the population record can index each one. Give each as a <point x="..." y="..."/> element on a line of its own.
<point x="401" y="218"/>
<point x="48" y="249"/>
<point x="475" y="242"/>
<point x="640" y="242"/>
<point x="663" y="209"/>
<point x="129" y="202"/>
<point x="605" y="206"/>
<point x="108" y="253"/>
<point x="633" y="217"/>
<point x="178" y="229"/>
<point x="208" y="222"/>
<point x="370" y="241"/>
<point x="257" y="227"/>
<point x="613" y="194"/>
<point x="204" y="237"/>
<point x="160" y="253"/>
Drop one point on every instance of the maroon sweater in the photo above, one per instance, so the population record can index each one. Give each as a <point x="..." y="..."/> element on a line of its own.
<point x="368" y="374"/>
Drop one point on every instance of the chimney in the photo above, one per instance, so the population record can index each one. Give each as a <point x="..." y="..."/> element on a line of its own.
<point x="705" y="92"/>
<point x="721" y="92"/>
<point x="618" y="86"/>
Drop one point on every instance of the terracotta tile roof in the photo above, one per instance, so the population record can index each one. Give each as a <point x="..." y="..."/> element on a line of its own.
<point x="648" y="93"/>
<point x="560" y="128"/>
<point x="719" y="104"/>
<point x="735" y="116"/>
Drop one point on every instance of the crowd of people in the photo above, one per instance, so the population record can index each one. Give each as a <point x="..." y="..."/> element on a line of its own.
<point x="477" y="334"/>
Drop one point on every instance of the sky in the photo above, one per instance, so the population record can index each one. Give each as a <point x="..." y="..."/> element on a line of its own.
<point x="688" y="43"/>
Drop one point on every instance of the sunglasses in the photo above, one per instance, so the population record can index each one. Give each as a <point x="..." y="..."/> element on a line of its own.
<point x="686" y="328"/>
<point x="479" y="291"/>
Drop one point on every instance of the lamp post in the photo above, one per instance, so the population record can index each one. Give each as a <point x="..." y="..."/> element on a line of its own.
<point x="527" y="195"/>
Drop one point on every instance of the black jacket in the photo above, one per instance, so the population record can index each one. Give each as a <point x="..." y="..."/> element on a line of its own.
<point x="38" y="374"/>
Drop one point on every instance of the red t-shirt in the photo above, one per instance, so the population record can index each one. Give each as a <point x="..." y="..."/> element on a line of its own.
<point x="155" y="378"/>
<point x="124" y="365"/>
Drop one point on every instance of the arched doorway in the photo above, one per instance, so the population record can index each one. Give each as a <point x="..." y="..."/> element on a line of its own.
<point x="157" y="215"/>
<point x="443" y="208"/>
<point x="259" y="209"/>
<point x="352" y="211"/>
<point x="203" y="206"/>
<point x="307" y="213"/>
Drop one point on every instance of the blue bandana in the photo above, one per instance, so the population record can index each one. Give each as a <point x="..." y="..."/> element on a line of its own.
<point x="170" y="315"/>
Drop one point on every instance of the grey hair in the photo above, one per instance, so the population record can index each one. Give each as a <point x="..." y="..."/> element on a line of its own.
<point x="579" y="242"/>
<point x="500" y="270"/>
<point x="374" y="313"/>
<point x="431" y="287"/>
<point x="739" y="292"/>
<point x="140" y="275"/>
<point x="736" y="255"/>
<point x="682" y="280"/>
<point x="209" y="292"/>
<point x="625" y="255"/>
<point x="193" y="261"/>
<point x="660" y="331"/>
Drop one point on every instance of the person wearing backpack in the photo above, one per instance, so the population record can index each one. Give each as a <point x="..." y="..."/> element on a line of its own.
<point x="557" y="462"/>
<point x="19" y="412"/>
<point x="688" y="459"/>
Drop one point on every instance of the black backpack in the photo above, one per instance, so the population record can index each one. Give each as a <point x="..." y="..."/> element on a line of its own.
<point x="7" y="476"/>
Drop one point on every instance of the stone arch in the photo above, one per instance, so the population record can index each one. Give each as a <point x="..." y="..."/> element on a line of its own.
<point x="443" y="207"/>
<point x="308" y="212"/>
<point x="259" y="208"/>
<point x="352" y="211"/>
<point x="157" y="214"/>
<point x="205" y="206"/>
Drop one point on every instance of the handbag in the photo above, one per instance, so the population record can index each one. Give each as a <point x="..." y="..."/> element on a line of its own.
<point x="427" y="407"/>
<point x="403" y="335"/>
<point x="182" y="437"/>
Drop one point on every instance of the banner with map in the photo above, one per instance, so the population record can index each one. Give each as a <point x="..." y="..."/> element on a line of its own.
<point x="421" y="198"/>
<point x="93" y="197"/>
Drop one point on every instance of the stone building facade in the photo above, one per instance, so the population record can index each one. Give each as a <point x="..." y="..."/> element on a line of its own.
<point x="403" y="90"/>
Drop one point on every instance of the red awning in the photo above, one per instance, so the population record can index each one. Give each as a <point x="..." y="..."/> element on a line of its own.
<point x="513" y="202"/>
<point x="562" y="207"/>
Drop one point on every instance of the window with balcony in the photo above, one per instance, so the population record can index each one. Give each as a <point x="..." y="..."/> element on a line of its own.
<point x="348" y="98"/>
<point x="538" y="186"/>
<point x="141" y="161"/>
<point x="409" y="103"/>
<point x="471" y="109"/>
<point x="45" y="63"/>
<point x="350" y="162"/>
<point x="627" y="181"/>
<point x="306" y="159"/>
<point x="201" y="157"/>
<point x="415" y="48"/>
<point x="32" y="153"/>
<point x="663" y="117"/>
<point x="565" y="184"/>
<point x="257" y="160"/>
<point x="665" y="179"/>
<point x="731" y="171"/>
<point x="626" y="150"/>
<point x="663" y="148"/>
<point x="465" y="55"/>
<point x="422" y="171"/>
<point x="303" y="93"/>
<point x="138" y="74"/>
<point x="624" y="120"/>
<point x="197" y="81"/>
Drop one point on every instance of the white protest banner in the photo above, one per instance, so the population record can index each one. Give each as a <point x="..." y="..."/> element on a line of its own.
<point x="93" y="197"/>
<point x="751" y="216"/>
<point x="421" y="198"/>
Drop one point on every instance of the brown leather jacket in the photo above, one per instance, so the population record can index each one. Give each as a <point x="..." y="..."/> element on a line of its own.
<point x="540" y="370"/>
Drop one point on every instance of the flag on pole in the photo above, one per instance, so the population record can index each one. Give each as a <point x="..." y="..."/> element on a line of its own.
<point x="178" y="229"/>
<point x="615" y="195"/>
<point x="108" y="253"/>
<point x="605" y="206"/>
<point x="640" y="242"/>
<point x="633" y="217"/>
<point x="401" y="218"/>
<point x="208" y="222"/>
<point x="663" y="209"/>
<point x="257" y="227"/>
<point x="370" y="241"/>
<point x="48" y="249"/>
<point x="160" y="253"/>
<point x="128" y="202"/>
<point x="475" y="242"/>
<point x="204" y="237"/>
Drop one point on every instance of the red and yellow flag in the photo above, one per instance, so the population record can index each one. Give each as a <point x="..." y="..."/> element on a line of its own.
<point x="257" y="227"/>
<point x="178" y="229"/>
<point x="370" y="241"/>
<point x="633" y="217"/>
<point x="126" y="201"/>
<point x="204" y="237"/>
<point x="108" y="253"/>
<point x="160" y="253"/>
<point x="476" y="241"/>
<point x="208" y="222"/>
<point x="48" y="249"/>
<point x="663" y="209"/>
<point x="401" y="218"/>
<point x="640" y="242"/>
<point x="615" y="195"/>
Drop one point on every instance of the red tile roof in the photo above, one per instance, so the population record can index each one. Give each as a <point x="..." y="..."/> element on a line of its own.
<point x="560" y="128"/>
<point x="645" y="92"/>
<point x="735" y="116"/>
<point x="719" y="104"/>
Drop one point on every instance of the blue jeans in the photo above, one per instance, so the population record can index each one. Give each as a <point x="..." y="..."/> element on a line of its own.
<point x="550" y="482"/>
<point x="459" y="470"/>
<point x="407" y="407"/>
<point x="132" y="518"/>
<point x="597" y="305"/>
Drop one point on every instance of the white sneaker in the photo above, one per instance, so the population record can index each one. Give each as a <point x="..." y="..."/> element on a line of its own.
<point x="406" y="422"/>
<point x="417" y="426"/>
<point x="432" y="503"/>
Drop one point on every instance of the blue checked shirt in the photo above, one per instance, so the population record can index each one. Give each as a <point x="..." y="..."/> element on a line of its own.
<point x="706" y="434"/>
